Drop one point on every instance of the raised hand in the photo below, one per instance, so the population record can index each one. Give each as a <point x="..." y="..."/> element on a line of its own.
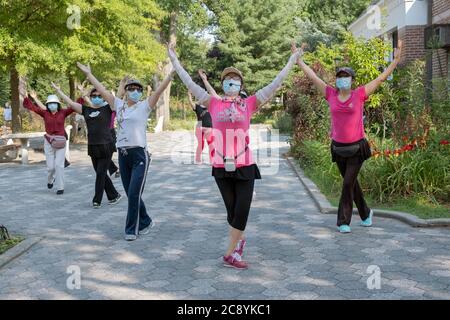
<point x="202" y="74"/>
<point x="33" y="94"/>
<point x="398" y="51"/>
<point x="85" y="69"/>
<point x="294" y="48"/>
<point x="171" y="50"/>
<point x="56" y="87"/>
<point x="80" y="87"/>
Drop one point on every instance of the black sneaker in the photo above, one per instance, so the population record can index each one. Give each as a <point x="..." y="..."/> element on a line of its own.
<point x="50" y="185"/>
<point x="59" y="192"/>
<point x="66" y="163"/>
<point x="116" y="200"/>
<point x="96" y="205"/>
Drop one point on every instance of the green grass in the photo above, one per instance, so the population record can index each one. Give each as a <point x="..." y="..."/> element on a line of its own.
<point x="420" y="206"/>
<point x="8" y="244"/>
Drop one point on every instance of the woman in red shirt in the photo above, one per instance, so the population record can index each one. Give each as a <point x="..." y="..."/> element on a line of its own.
<point x="54" y="144"/>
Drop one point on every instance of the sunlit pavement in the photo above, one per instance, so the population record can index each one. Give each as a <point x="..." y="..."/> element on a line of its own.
<point x="294" y="252"/>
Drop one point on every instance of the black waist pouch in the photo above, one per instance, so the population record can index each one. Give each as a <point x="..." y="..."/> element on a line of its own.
<point x="360" y="149"/>
<point x="346" y="151"/>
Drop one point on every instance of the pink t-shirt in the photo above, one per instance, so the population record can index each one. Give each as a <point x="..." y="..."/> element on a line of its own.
<point x="347" y="117"/>
<point x="230" y="133"/>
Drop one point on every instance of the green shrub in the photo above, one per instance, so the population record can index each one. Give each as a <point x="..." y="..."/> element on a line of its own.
<point x="423" y="172"/>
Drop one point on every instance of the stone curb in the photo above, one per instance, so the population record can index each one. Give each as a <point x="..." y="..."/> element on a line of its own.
<point x="18" y="250"/>
<point x="325" y="206"/>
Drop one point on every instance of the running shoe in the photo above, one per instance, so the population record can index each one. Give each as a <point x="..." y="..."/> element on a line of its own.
<point x="59" y="192"/>
<point x="240" y="247"/>
<point x="116" y="200"/>
<point x="130" y="237"/>
<point x="147" y="230"/>
<point x="96" y="205"/>
<point x="344" y="229"/>
<point x="50" y="185"/>
<point x="234" y="261"/>
<point x="368" y="221"/>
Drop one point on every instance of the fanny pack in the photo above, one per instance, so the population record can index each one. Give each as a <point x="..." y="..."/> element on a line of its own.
<point x="57" y="142"/>
<point x="346" y="151"/>
<point x="230" y="162"/>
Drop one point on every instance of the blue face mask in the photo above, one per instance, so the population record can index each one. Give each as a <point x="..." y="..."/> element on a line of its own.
<point x="231" y="87"/>
<point x="52" y="107"/>
<point x="135" y="95"/>
<point x="344" y="83"/>
<point x="97" y="101"/>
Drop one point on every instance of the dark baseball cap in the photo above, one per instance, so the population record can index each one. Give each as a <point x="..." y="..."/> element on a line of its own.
<point x="346" y="70"/>
<point x="133" y="82"/>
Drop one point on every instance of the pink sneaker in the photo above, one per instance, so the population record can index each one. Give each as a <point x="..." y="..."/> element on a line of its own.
<point x="234" y="261"/>
<point x="240" y="247"/>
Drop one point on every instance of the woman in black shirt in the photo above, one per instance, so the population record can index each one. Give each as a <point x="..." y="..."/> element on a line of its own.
<point x="100" y="142"/>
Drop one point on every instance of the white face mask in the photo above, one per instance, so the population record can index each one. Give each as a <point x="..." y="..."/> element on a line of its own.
<point x="344" y="83"/>
<point x="231" y="87"/>
<point x="53" y="107"/>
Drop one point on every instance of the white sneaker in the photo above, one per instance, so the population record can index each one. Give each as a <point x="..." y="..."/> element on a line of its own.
<point x="130" y="237"/>
<point x="147" y="230"/>
<point x="115" y="201"/>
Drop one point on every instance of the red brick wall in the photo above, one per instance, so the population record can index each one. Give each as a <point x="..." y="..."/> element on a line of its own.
<point x="440" y="6"/>
<point x="413" y="43"/>
<point x="440" y="57"/>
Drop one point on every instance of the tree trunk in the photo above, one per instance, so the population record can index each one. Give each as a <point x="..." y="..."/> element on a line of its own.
<point x="74" y="131"/>
<point x="15" y="100"/>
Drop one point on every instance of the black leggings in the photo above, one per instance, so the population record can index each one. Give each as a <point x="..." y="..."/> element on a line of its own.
<point x="237" y="196"/>
<point x="351" y="191"/>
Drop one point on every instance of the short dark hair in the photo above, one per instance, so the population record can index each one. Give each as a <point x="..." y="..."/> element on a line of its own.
<point x="92" y="91"/>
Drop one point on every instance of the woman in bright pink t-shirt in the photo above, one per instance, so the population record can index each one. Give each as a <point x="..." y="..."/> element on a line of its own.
<point x="234" y="168"/>
<point x="349" y="147"/>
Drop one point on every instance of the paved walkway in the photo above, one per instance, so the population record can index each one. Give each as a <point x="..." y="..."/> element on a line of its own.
<point x="294" y="251"/>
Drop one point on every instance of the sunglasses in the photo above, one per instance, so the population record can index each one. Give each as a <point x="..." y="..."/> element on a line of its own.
<point x="131" y="89"/>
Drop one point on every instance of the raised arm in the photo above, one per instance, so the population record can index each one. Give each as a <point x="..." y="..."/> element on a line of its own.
<point x="38" y="102"/>
<point x="199" y="93"/>
<point x="149" y="90"/>
<point x="208" y="86"/>
<point x="263" y="95"/>
<point x="191" y="101"/>
<point x="153" y="99"/>
<point x="78" y="108"/>
<point x="84" y="93"/>
<point x="121" y="90"/>
<point x="318" y="83"/>
<point x="372" y="86"/>
<point x="30" y="105"/>
<point x="108" y="96"/>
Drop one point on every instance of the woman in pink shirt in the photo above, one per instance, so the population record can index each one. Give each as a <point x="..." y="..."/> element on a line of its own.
<point x="349" y="147"/>
<point x="233" y="166"/>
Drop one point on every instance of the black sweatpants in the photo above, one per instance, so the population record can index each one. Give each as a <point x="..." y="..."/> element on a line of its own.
<point x="237" y="196"/>
<point x="102" y="180"/>
<point x="351" y="190"/>
<point x="112" y="168"/>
